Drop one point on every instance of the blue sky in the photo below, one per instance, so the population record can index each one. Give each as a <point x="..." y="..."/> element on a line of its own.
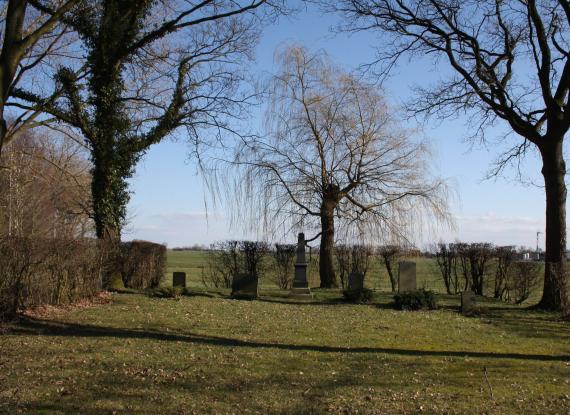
<point x="168" y="200"/>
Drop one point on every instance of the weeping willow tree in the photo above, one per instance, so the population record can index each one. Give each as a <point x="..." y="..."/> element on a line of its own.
<point x="333" y="155"/>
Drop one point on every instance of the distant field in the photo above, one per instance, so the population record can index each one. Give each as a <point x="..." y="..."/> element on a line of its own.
<point x="192" y="262"/>
<point x="428" y="275"/>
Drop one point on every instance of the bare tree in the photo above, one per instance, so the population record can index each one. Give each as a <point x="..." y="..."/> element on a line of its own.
<point x="510" y="62"/>
<point x="44" y="187"/>
<point x="32" y="34"/>
<point x="446" y="258"/>
<point x="389" y="254"/>
<point x="334" y="151"/>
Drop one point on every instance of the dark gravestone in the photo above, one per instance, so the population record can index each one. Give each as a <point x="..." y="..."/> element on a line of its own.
<point x="356" y="281"/>
<point x="406" y="276"/>
<point x="179" y="279"/>
<point x="244" y="286"/>
<point x="468" y="302"/>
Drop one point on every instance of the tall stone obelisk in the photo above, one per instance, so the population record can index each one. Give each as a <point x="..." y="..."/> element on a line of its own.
<point x="300" y="281"/>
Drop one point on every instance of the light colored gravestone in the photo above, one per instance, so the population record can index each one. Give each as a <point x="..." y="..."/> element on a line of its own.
<point x="179" y="279"/>
<point x="406" y="276"/>
<point x="300" y="282"/>
<point x="356" y="281"/>
<point x="468" y="303"/>
<point x="244" y="286"/>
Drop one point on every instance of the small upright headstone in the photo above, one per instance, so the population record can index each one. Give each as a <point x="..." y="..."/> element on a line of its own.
<point x="468" y="302"/>
<point x="356" y="281"/>
<point x="179" y="279"/>
<point x="244" y="286"/>
<point x="406" y="276"/>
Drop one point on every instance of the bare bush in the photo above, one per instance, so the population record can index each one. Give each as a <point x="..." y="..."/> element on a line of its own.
<point x="47" y="271"/>
<point x="142" y="264"/>
<point x="505" y="255"/>
<point x="524" y="277"/>
<point x="446" y="258"/>
<point x="227" y="259"/>
<point x="253" y="253"/>
<point x="352" y="258"/>
<point x="343" y="259"/>
<point x="284" y="256"/>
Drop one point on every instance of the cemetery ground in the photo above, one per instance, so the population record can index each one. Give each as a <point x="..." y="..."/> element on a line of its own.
<point x="207" y="353"/>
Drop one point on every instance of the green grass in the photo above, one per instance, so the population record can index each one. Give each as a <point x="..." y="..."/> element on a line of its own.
<point x="209" y="354"/>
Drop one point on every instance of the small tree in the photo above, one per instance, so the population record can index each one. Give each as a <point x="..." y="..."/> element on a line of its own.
<point x="342" y="253"/>
<point x="479" y="255"/>
<point x="446" y="258"/>
<point x="389" y="254"/>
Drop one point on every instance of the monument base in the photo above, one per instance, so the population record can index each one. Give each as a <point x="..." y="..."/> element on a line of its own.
<point x="301" y="293"/>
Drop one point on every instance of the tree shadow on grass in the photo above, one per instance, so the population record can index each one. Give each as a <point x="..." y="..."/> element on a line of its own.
<point x="32" y="326"/>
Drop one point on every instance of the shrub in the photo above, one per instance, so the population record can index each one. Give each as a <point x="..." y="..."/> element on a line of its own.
<point x="166" y="292"/>
<point x="358" y="296"/>
<point x="523" y="278"/>
<point x="36" y="271"/>
<point x="116" y="283"/>
<point x="284" y="256"/>
<point x="229" y="258"/>
<point x="352" y="258"/>
<point x="142" y="264"/>
<point x="415" y="300"/>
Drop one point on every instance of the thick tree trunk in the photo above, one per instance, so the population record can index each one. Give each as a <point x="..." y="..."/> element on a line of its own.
<point x="106" y="210"/>
<point x="326" y="265"/>
<point x="554" y="296"/>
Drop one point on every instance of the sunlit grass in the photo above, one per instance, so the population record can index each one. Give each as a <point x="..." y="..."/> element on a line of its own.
<point x="210" y="354"/>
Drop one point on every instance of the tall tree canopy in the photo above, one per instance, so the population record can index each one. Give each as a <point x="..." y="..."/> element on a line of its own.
<point x="152" y="66"/>
<point x="509" y="61"/>
<point x="334" y="152"/>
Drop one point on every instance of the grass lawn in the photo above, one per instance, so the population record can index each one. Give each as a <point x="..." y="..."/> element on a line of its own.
<point x="210" y="354"/>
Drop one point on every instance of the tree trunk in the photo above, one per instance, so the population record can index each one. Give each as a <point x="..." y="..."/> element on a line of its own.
<point x="326" y="265"/>
<point x="106" y="210"/>
<point x="393" y="281"/>
<point x="554" y="296"/>
<point x="10" y="56"/>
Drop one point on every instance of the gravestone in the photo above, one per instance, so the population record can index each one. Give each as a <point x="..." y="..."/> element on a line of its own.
<point x="244" y="286"/>
<point x="179" y="279"/>
<point x="300" y="282"/>
<point x="356" y="281"/>
<point x="406" y="276"/>
<point x="468" y="302"/>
